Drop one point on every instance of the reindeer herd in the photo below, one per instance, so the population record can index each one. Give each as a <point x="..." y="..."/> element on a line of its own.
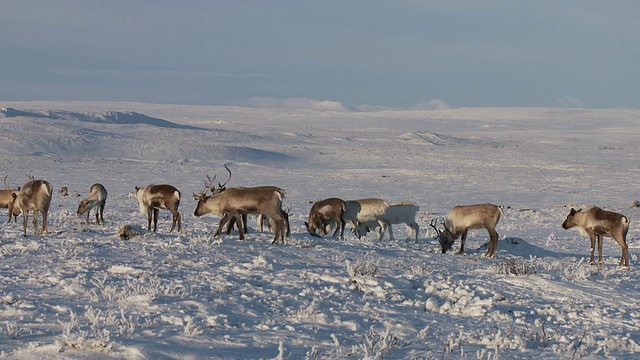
<point x="234" y="204"/>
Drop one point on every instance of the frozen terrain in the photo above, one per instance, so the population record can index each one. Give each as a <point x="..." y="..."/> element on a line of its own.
<point x="81" y="292"/>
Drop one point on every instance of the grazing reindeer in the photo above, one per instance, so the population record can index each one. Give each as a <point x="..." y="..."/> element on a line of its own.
<point x="461" y="219"/>
<point x="365" y="211"/>
<point x="597" y="223"/>
<point x="35" y="196"/>
<point x="155" y="197"/>
<point x="234" y="202"/>
<point x="397" y="213"/>
<point x="6" y="201"/>
<point x="96" y="199"/>
<point x="324" y="212"/>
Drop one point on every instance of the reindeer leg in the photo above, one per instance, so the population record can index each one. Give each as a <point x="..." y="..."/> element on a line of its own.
<point x="462" y="240"/>
<point x="231" y="223"/>
<point x="25" y="221"/>
<point x="593" y="247"/>
<point x="44" y="222"/>
<point x="101" y="214"/>
<point x="174" y="219"/>
<point x="240" y="224"/>
<point x="493" y="243"/>
<point x="155" y="219"/>
<point x="339" y="225"/>
<point x="390" y="232"/>
<point x="624" y="259"/>
<point x="600" y="241"/>
<point x="225" y="219"/>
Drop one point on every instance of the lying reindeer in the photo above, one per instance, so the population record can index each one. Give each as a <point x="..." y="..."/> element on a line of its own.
<point x="96" y="199"/>
<point x="461" y="219"/>
<point x="597" y="223"/>
<point x="397" y="213"/>
<point x="323" y="213"/>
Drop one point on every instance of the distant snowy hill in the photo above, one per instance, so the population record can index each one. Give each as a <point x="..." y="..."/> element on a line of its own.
<point x="125" y="134"/>
<point x="107" y="117"/>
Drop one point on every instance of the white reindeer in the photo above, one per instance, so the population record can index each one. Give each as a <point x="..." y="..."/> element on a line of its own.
<point x="403" y="212"/>
<point x="370" y="210"/>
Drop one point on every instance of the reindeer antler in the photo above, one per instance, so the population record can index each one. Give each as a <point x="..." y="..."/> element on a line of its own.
<point x="433" y="224"/>
<point x="6" y="184"/>
<point x="225" y="183"/>
<point x="30" y="177"/>
<point x="209" y="185"/>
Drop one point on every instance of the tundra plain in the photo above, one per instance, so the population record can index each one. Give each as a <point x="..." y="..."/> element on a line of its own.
<point x="81" y="292"/>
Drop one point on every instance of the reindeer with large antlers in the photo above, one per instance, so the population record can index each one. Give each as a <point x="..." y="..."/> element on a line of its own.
<point x="6" y="200"/>
<point x="233" y="203"/>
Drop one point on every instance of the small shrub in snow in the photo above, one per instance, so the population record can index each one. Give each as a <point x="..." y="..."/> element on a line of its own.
<point x="13" y="331"/>
<point x="374" y="343"/>
<point x="516" y="267"/>
<point x="365" y="267"/>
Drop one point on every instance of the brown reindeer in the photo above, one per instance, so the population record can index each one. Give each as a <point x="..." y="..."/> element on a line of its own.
<point x="234" y="202"/>
<point x="597" y="223"/>
<point x="152" y="198"/>
<point x="231" y="221"/>
<point x="35" y="196"/>
<point x="461" y="219"/>
<point x="96" y="199"/>
<point x="6" y="201"/>
<point x="323" y="213"/>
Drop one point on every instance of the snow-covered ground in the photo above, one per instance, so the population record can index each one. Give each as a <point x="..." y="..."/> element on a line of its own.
<point x="81" y="292"/>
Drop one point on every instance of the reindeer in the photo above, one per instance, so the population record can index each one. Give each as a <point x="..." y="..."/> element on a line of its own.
<point x="461" y="219"/>
<point x="324" y="212"/>
<point x="96" y="199"/>
<point x="35" y="196"/>
<point x="365" y="211"/>
<point x="597" y="223"/>
<point x="6" y="201"/>
<point x="152" y="198"/>
<point x="230" y="220"/>
<point x="403" y="212"/>
<point x="234" y="202"/>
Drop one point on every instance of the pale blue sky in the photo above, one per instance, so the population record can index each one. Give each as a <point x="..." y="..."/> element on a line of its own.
<point x="400" y="54"/>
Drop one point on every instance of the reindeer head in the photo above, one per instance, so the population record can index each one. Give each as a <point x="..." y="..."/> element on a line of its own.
<point x="570" y="222"/>
<point x="444" y="237"/>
